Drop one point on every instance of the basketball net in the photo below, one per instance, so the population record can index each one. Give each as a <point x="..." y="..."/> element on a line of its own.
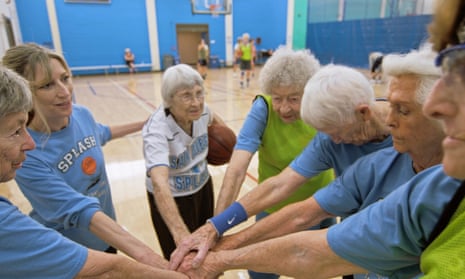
<point x="214" y="10"/>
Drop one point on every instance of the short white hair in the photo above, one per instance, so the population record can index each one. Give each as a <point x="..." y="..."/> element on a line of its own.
<point x="417" y="62"/>
<point x="286" y="68"/>
<point x="176" y="78"/>
<point x="332" y="95"/>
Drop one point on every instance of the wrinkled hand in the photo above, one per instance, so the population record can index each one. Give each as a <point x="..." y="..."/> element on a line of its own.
<point x="205" y="271"/>
<point x="201" y="241"/>
<point x="225" y="243"/>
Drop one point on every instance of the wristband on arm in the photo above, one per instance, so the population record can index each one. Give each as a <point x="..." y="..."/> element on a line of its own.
<point x="230" y="217"/>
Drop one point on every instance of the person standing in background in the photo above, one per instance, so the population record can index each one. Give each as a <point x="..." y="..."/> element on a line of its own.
<point x="246" y="52"/>
<point x="202" y="55"/>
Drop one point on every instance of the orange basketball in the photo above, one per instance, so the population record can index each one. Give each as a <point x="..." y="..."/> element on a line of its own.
<point x="221" y="141"/>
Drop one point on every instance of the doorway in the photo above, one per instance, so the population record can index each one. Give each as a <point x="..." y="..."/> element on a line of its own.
<point x="188" y="37"/>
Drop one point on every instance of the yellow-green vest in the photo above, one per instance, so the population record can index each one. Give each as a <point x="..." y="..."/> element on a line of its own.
<point x="281" y="143"/>
<point x="445" y="256"/>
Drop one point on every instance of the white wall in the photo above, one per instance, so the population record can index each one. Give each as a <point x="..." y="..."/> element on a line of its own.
<point x="8" y="9"/>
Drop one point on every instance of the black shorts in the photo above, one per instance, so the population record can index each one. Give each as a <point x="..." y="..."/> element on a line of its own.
<point x="194" y="209"/>
<point x="203" y="62"/>
<point x="246" y="65"/>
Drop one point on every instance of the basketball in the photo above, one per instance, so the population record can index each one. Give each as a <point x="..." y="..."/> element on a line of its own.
<point x="221" y="141"/>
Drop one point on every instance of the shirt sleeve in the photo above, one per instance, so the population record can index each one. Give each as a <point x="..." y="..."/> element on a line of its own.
<point x="252" y="130"/>
<point x="102" y="131"/>
<point x="342" y="196"/>
<point x="52" y="199"/>
<point x="388" y="237"/>
<point x="156" y="147"/>
<point x="312" y="161"/>
<point x="30" y="250"/>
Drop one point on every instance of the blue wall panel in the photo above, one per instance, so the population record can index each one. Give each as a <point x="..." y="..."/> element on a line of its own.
<point x="170" y="13"/>
<point x="350" y="42"/>
<point x="33" y="22"/>
<point x="97" y="34"/>
<point x="261" y="19"/>
<point x="323" y="10"/>
<point x="362" y="9"/>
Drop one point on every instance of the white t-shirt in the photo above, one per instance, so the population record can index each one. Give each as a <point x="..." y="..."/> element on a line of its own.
<point x="166" y="144"/>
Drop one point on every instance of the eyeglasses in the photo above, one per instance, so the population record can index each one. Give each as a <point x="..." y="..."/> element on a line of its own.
<point x="450" y="58"/>
<point x="188" y="98"/>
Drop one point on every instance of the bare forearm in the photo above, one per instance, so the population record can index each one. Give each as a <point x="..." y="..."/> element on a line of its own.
<point x="122" y="130"/>
<point x="296" y="255"/>
<point x="292" y="218"/>
<point x="232" y="183"/>
<point x="271" y="191"/>
<point x="169" y="211"/>
<point x="112" y="233"/>
<point x="233" y="179"/>
<point x="103" y="265"/>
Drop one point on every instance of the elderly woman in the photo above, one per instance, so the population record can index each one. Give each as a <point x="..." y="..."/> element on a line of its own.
<point x="273" y="128"/>
<point x="28" y="249"/>
<point x="417" y="147"/>
<point x="447" y="103"/>
<point x="388" y="236"/>
<point x="179" y="186"/>
<point x="344" y="106"/>
<point x="65" y="179"/>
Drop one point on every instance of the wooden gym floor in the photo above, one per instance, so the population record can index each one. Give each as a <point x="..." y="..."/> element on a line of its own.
<point x="123" y="98"/>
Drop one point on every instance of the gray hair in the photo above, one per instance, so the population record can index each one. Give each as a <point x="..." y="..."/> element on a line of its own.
<point x="176" y="78"/>
<point x="15" y="95"/>
<point x="332" y="95"/>
<point x="419" y="63"/>
<point x="287" y="67"/>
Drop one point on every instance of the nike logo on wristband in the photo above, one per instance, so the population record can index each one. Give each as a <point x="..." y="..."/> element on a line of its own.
<point x="230" y="221"/>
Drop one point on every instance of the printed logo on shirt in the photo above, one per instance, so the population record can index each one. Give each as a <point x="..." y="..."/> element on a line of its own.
<point x="186" y="183"/>
<point x="89" y="165"/>
<point x="75" y="152"/>
<point x="183" y="159"/>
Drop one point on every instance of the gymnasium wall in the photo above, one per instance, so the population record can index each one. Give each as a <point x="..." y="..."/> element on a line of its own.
<point x="350" y="42"/>
<point x="97" y="34"/>
<point x="347" y="33"/>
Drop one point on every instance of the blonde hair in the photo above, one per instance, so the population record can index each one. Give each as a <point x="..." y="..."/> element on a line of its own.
<point x="27" y="60"/>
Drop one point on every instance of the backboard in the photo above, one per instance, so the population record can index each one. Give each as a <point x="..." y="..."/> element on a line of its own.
<point x="211" y="7"/>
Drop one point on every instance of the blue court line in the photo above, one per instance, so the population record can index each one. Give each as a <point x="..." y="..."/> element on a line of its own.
<point x="91" y="88"/>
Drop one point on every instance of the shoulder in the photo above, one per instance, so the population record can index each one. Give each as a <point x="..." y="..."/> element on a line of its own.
<point x="81" y="110"/>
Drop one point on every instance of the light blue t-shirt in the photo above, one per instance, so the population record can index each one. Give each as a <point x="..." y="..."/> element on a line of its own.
<point x="250" y="135"/>
<point x="322" y="154"/>
<point x="368" y="180"/>
<point x="65" y="180"/>
<point x="388" y="236"/>
<point x="29" y="250"/>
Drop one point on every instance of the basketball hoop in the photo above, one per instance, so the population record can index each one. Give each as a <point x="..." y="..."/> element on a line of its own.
<point x="214" y="9"/>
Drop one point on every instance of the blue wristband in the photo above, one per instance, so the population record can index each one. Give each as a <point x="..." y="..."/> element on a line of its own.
<point x="231" y="216"/>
